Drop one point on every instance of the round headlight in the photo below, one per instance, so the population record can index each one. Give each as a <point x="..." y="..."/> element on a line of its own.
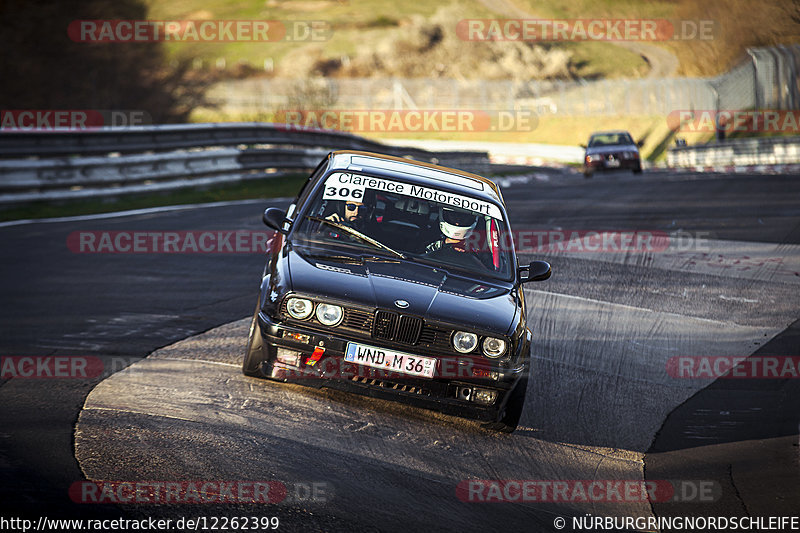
<point x="299" y="308"/>
<point x="494" y="347"/>
<point x="464" y="342"/>
<point x="329" y="314"/>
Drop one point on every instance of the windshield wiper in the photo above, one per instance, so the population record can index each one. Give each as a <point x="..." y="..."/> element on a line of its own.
<point x="357" y="234"/>
<point x="337" y="258"/>
<point x="379" y="259"/>
<point x="352" y="260"/>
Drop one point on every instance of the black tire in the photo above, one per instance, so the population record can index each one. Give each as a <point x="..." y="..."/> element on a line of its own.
<point x="587" y="175"/>
<point x="254" y="354"/>
<point x="637" y="170"/>
<point x="513" y="410"/>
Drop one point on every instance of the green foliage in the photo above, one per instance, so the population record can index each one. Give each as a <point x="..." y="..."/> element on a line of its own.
<point x="278" y="186"/>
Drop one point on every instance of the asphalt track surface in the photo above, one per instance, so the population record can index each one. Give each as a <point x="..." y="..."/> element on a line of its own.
<point x="601" y="404"/>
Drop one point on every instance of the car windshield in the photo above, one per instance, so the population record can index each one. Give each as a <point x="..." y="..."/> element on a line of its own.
<point x="609" y="139"/>
<point x="400" y="220"/>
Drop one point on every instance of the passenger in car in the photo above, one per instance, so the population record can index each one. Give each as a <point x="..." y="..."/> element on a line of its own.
<point x="456" y="227"/>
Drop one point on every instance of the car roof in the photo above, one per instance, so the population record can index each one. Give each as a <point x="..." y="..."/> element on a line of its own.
<point x="609" y="132"/>
<point x="387" y="166"/>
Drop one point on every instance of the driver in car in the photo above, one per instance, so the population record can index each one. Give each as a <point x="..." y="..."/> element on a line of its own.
<point x="354" y="214"/>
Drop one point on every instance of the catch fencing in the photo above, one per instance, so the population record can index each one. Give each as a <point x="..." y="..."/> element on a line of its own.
<point x="765" y="79"/>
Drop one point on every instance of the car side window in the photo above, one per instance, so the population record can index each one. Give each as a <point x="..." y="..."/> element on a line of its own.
<point x="305" y="190"/>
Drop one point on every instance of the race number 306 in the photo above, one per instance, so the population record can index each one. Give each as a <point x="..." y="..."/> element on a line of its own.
<point x="341" y="192"/>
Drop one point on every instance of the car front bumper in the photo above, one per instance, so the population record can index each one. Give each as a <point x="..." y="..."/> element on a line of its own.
<point x="452" y="391"/>
<point x="603" y="164"/>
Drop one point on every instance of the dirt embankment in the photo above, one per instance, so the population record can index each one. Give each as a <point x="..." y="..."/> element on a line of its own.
<point x="430" y="47"/>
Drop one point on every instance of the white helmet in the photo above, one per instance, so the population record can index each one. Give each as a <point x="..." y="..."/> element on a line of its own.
<point x="456" y="224"/>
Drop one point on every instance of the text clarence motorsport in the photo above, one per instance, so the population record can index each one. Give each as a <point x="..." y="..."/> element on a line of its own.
<point x="417" y="192"/>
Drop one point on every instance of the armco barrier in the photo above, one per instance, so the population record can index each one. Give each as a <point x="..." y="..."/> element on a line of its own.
<point x="181" y="136"/>
<point x="110" y="162"/>
<point x="169" y="137"/>
<point x="49" y="174"/>
<point x="737" y="152"/>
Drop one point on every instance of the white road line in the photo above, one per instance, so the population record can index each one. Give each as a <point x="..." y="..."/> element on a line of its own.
<point x="184" y="360"/>
<point x="736" y="299"/>
<point x="135" y="412"/>
<point x="631" y="307"/>
<point x="762" y="261"/>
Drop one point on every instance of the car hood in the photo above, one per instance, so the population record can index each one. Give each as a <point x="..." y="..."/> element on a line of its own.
<point x="431" y="292"/>
<point x="613" y="149"/>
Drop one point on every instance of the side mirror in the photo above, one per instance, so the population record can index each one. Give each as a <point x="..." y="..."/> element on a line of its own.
<point x="275" y="218"/>
<point x="582" y="146"/>
<point x="640" y="143"/>
<point x="536" y="271"/>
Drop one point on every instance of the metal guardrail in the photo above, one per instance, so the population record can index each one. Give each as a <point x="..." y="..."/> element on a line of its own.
<point x="169" y="137"/>
<point x="173" y="137"/>
<point x="49" y="174"/>
<point x="110" y="162"/>
<point x="737" y="152"/>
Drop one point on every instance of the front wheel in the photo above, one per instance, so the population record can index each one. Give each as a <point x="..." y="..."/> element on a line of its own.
<point x="254" y="354"/>
<point x="513" y="410"/>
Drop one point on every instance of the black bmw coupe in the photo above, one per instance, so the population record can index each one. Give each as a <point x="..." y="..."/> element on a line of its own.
<point x="397" y="279"/>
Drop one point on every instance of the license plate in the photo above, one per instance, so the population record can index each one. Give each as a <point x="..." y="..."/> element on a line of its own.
<point x="612" y="163"/>
<point x="390" y="360"/>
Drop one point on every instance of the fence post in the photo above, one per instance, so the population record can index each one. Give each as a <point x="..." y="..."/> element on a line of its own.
<point x="795" y="52"/>
<point x="718" y="134"/>
<point x="756" y="99"/>
<point x="789" y="76"/>
<point x="778" y="76"/>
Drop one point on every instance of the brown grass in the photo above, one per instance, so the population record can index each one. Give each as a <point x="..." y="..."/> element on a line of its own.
<point x="738" y="24"/>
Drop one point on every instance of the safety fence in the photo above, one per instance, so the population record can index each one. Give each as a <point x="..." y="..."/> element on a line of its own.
<point x="737" y="152"/>
<point x="766" y="78"/>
